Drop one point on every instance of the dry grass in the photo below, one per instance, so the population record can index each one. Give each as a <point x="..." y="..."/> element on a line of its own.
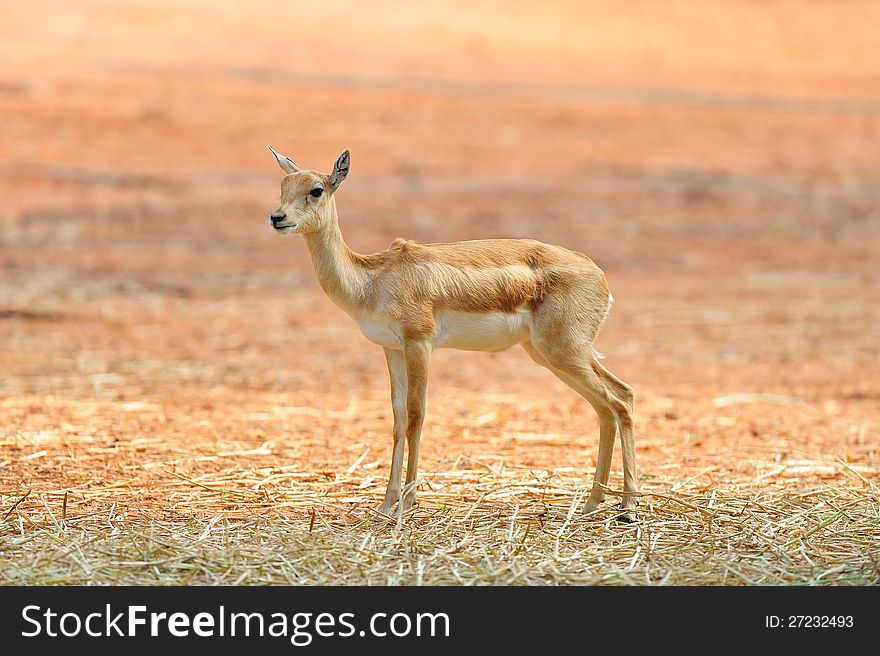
<point x="476" y="525"/>
<point x="248" y="487"/>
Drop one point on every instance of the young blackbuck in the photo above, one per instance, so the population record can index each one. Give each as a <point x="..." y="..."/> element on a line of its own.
<point x="482" y="295"/>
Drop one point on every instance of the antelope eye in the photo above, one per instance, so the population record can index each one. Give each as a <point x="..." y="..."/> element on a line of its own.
<point x="316" y="192"/>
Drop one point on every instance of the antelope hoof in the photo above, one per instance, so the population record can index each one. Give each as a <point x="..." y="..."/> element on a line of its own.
<point x="392" y="510"/>
<point x="627" y="516"/>
<point x="592" y="505"/>
<point x="406" y="505"/>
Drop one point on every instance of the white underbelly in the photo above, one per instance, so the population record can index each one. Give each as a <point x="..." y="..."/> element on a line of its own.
<point x="467" y="331"/>
<point x="471" y="331"/>
<point x="379" y="332"/>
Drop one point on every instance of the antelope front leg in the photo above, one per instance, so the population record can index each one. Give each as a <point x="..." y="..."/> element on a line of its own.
<point x="397" y="373"/>
<point x="417" y="356"/>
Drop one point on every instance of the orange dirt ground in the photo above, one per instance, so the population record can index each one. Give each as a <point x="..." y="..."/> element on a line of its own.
<point x="164" y="353"/>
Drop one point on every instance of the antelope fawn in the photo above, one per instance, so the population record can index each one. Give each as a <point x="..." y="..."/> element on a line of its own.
<point x="484" y="295"/>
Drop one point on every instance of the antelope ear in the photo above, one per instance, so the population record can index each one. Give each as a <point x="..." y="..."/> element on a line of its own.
<point x="287" y="165"/>
<point x="340" y="170"/>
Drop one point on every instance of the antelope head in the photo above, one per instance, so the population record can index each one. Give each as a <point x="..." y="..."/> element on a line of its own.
<point x="307" y="196"/>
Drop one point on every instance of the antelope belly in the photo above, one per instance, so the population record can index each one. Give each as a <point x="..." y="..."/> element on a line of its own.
<point x="470" y="331"/>
<point x="379" y="332"/>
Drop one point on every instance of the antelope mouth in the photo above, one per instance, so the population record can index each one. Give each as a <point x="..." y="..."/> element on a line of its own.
<point x="282" y="228"/>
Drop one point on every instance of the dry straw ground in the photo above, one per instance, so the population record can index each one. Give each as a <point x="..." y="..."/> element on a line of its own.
<point x="147" y="509"/>
<point x="180" y="404"/>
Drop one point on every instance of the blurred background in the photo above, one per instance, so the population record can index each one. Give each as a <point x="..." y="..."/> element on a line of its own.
<point x="720" y="161"/>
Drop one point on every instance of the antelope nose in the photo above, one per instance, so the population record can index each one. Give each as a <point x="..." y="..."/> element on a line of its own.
<point x="277" y="217"/>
